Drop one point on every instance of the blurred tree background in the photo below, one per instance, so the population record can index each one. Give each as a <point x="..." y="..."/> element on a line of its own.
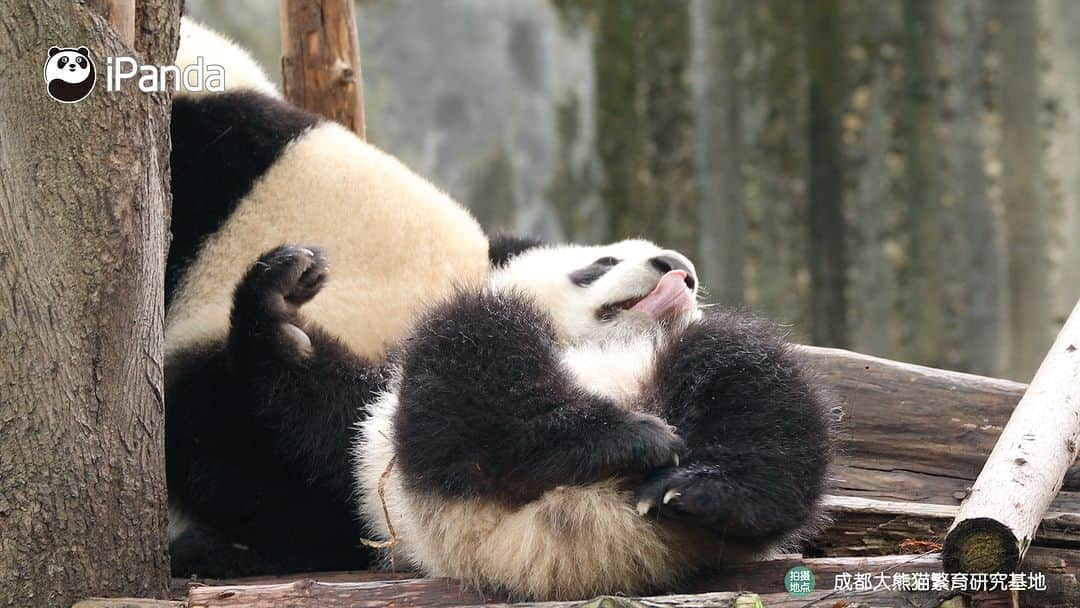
<point x="898" y="177"/>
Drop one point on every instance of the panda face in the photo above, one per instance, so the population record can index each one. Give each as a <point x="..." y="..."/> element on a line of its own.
<point x="69" y="65"/>
<point x="599" y="293"/>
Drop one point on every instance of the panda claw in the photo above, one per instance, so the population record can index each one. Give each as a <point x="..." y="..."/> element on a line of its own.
<point x="644" y="506"/>
<point x="670" y="495"/>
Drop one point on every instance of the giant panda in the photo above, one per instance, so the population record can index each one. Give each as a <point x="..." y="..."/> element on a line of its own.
<point x="249" y="172"/>
<point x="545" y="421"/>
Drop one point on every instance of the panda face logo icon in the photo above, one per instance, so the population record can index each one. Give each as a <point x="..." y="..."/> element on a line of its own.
<point x="69" y="74"/>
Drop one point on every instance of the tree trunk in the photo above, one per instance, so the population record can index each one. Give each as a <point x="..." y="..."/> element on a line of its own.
<point x="1022" y="186"/>
<point x="645" y="121"/>
<point x="825" y="196"/>
<point x="716" y="36"/>
<point x="83" y="194"/>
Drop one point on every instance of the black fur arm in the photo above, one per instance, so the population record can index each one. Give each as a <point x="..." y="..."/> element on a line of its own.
<point x="486" y="408"/>
<point x="307" y="388"/>
<point x="757" y="430"/>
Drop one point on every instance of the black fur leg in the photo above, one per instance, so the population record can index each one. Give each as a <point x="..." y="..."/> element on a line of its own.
<point x="265" y="322"/>
<point x="486" y="408"/>
<point x="757" y="430"/>
<point x="259" y="431"/>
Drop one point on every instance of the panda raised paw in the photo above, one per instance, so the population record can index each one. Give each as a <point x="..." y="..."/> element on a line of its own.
<point x="294" y="272"/>
<point x="267" y="300"/>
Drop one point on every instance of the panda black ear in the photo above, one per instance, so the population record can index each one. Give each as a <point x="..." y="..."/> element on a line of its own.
<point x="503" y="246"/>
<point x="53" y="50"/>
<point x="83" y="51"/>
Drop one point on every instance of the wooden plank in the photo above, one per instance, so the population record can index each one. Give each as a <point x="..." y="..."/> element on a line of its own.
<point x="1061" y="567"/>
<point x="126" y="602"/>
<point x="1027" y="467"/>
<point x="308" y="592"/>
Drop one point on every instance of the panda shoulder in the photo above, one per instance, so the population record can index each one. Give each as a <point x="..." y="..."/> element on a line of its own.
<point x="242" y="71"/>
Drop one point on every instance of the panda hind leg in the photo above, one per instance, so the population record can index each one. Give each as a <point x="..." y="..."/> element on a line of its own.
<point x="265" y="317"/>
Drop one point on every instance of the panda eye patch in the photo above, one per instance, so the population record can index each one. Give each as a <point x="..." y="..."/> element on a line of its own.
<point x="588" y="275"/>
<point x="62" y="62"/>
<point x="81" y="62"/>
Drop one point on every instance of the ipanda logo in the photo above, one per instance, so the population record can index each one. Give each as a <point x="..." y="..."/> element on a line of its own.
<point x="70" y="74"/>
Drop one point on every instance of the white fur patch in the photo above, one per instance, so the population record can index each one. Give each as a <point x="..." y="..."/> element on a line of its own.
<point x="395" y="243"/>
<point x="242" y="72"/>
<point x="616" y="369"/>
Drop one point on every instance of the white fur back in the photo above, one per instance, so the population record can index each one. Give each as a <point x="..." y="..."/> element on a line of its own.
<point x="242" y="72"/>
<point x="395" y="243"/>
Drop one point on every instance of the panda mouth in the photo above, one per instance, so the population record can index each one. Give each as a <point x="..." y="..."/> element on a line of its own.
<point x="670" y="297"/>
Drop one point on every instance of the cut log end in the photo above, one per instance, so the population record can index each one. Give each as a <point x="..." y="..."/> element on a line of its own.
<point x="981" y="545"/>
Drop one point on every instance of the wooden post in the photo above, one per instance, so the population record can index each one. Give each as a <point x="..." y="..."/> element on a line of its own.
<point x="121" y="16"/>
<point x="1025" y="470"/>
<point x="320" y="60"/>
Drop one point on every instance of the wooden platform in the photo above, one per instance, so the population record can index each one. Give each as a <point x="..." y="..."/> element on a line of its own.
<point x="739" y="586"/>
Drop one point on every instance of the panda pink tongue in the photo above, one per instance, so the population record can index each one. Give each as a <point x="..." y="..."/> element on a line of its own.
<point x="670" y="297"/>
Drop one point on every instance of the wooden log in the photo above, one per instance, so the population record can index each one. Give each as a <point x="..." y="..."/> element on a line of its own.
<point x="1027" y="467"/>
<point x="912" y="417"/>
<point x="1061" y="568"/>
<point x="121" y="17"/>
<point x="862" y="527"/>
<point x="126" y="602"/>
<point x="320" y="60"/>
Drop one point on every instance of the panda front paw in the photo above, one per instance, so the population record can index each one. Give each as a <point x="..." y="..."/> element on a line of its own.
<point x="651" y="443"/>
<point x="268" y="297"/>
<point x="294" y="273"/>
<point x="685" y="493"/>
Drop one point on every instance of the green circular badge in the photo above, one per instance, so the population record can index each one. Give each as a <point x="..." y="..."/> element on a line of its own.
<point x="799" y="581"/>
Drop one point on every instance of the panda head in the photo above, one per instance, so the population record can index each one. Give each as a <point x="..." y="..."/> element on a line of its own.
<point x="599" y="293"/>
<point x="69" y="65"/>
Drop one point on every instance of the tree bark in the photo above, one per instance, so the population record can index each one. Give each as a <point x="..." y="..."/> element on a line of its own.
<point x="83" y="193"/>
<point x="320" y="60"/>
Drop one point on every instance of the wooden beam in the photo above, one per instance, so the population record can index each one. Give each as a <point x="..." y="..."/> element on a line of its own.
<point x="121" y="17"/>
<point x="320" y="60"/>
<point x="1027" y="467"/>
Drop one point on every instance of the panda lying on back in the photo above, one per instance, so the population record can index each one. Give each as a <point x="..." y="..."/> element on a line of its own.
<point x="578" y="426"/>
<point x="552" y="421"/>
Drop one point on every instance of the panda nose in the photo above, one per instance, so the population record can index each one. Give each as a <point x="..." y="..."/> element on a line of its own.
<point x="667" y="263"/>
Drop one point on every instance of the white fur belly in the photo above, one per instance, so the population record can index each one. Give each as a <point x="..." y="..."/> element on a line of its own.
<point x="395" y="243"/>
<point x="572" y="542"/>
